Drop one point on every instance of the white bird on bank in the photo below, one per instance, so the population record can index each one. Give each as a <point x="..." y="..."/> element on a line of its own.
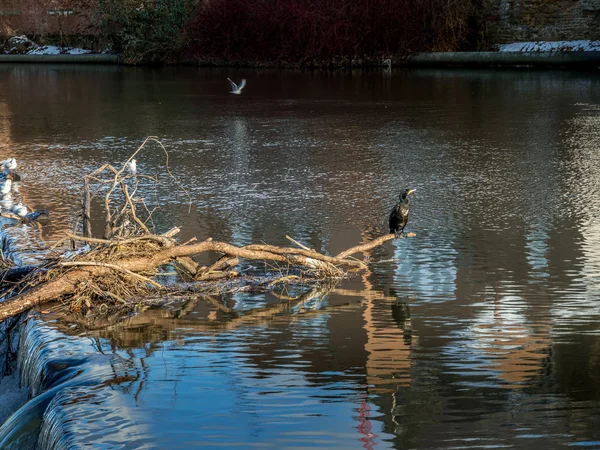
<point x="235" y="89"/>
<point x="19" y="209"/>
<point x="7" y="202"/>
<point x="132" y="166"/>
<point x="9" y="164"/>
<point x="5" y="187"/>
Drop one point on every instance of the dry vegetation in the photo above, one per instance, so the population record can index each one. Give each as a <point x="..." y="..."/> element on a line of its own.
<point x="332" y="32"/>
<point x="308" y="33"/>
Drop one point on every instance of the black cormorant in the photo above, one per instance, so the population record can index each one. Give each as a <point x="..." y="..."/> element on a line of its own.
<point x="399" y="213"/>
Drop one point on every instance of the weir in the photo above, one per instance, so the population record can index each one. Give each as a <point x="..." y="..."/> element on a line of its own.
<point x="55" y="370"/>
<point x="12" y="396"/>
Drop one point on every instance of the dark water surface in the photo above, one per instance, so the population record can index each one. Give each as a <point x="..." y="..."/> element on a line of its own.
<point x="481" y="332"/>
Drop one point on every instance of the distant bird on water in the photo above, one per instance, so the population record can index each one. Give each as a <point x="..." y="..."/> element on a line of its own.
<point x="132" y="166"/>
<point x="400" y="212"/>
<point x="235" y="89"/>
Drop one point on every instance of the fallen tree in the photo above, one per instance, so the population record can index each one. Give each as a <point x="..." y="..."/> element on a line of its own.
<point x="71" y="278"/>
<point x="120" y="270"/>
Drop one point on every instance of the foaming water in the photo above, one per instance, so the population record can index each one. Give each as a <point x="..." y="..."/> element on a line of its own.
<point x="41" y="354"/>
<point x="483" y="331"/>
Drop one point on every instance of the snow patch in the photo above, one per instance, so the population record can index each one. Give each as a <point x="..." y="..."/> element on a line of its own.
<point x="19" y="39"/>
<point x="551" y="46"/>
<point x="54" y="50"/>
<point x="45" y="50"/>
<point x="18" y="45"/>
<point x="78" y="51"/>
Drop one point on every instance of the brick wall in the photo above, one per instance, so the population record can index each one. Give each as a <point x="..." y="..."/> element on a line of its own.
<point x="507" y="20"/>
<point x="42" y="17"/>
<point x="548" y="20"/>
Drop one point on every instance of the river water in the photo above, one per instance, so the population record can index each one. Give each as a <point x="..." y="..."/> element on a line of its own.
<point x="483" y="331"/>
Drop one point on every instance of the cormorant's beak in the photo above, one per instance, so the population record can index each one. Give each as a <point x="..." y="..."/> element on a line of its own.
<point x="411" y="191"/>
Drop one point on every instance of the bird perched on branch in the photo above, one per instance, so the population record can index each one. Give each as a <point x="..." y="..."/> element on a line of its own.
<point x="42" y="216"/>
<point x="8" y="170"/>
<point x="19" y="209"/>
<point x="400" y="212"/>
<point x="5" y="187"/>
<point x="132" y="166"/>
<point x="235" y="89"/>
<point x="10" y="164"/>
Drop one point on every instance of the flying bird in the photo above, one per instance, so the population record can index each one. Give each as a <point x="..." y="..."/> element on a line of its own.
<point x="235" y="89"/>
<point x="400" y="212"/>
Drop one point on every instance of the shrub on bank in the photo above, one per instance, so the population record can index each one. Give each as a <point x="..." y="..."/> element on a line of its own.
<point x="145" y="30"/>
<point x="315" y="31"/>
<point x="296" y="32"/>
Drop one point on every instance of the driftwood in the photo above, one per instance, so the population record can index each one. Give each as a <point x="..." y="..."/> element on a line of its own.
<point x="123" y="266"/>
<point x="80" y="271"/>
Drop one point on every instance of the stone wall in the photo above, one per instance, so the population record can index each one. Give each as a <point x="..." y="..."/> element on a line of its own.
<point x="506" y="20"/>
<point x="41" y="17"/>
<point x="547" y="20"/>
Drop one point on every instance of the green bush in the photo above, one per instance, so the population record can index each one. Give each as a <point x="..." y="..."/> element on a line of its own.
<point x="145" y="30"/>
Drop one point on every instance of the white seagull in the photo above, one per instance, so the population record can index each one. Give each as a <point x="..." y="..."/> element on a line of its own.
<point x="5" y="187"/>
<point x="10" y="164"/>
<point x="7" y="202"/>
<point x="235" y="89"/>
<point x="132" y="166"/>
<point x="19" y="209"/>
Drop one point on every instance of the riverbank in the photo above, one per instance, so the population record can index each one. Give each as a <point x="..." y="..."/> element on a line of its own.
<point x="88" y="58"/>
<point x="556" y="60"/>
<point x="588" y="60"/>
<point x="584" y="54"/>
